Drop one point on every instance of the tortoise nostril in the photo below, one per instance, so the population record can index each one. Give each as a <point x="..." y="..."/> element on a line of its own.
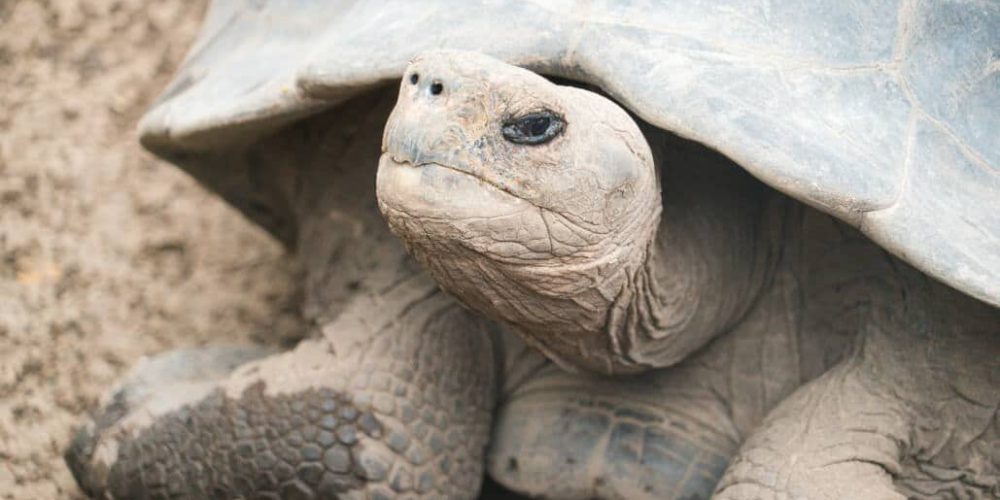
<point x="436" y="88"/>
<point x="414" y="78"/>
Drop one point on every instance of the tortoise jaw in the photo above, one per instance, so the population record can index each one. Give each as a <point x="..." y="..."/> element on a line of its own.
<point x="433" y="164"/>
<point x="438" y="191"/>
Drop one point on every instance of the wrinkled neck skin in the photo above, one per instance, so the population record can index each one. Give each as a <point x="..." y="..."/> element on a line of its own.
<point x="675" y="275"/>
<point x="715" y="250"/>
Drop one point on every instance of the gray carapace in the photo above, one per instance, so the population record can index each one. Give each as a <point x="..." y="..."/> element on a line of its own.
<point x="881" y="113"/>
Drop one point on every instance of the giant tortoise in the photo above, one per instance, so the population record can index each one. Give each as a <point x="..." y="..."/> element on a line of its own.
<point x="705" y="327"/>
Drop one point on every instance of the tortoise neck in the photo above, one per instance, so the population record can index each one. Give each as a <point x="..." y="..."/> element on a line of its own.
<point x="716" y="246"/>
<point x="688" y="291"/>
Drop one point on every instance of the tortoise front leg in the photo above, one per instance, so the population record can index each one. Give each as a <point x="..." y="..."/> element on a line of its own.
<point x="394" y="399"/>
<point x="911" y="413"/>
<point x="652" y="436"/>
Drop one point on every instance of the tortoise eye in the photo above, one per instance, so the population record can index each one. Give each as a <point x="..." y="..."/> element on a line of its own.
<point x="534" y="128"/>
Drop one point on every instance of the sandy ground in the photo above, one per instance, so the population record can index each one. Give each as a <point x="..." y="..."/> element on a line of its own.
<point x="106" y="254"/>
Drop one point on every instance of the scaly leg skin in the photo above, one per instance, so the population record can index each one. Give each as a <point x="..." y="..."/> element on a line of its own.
<point x="393" y="400"/>
<point x="912" y="413"/>
<point x="391" y="397"/>
<point x="188" y="427"/>
<point x="154" y="386"/>
<point x="565" y="435"/>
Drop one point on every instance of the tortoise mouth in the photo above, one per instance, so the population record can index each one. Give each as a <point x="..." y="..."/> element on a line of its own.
<point x="433" y="190"/>
<point x="432" y="164"/>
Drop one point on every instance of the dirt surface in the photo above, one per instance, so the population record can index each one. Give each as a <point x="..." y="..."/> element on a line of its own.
<point x="106" y="254"/>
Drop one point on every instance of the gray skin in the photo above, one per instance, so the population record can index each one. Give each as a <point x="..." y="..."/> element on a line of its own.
<point x="609" y="260"/>
<point x="398" y="390"/>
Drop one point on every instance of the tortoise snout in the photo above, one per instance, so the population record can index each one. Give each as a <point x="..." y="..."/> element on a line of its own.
<point x="426" y="84"/>
<point x="438" y="76"/>
<point x="441" y="112"/>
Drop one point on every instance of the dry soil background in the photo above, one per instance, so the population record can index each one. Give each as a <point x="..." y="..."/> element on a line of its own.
<point x="105" y="253"/>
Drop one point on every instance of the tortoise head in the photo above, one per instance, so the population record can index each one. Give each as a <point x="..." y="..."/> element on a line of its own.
<point x="509" y="188"/>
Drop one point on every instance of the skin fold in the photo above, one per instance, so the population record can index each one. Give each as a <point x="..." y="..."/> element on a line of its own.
<point x="843" y="372"/>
